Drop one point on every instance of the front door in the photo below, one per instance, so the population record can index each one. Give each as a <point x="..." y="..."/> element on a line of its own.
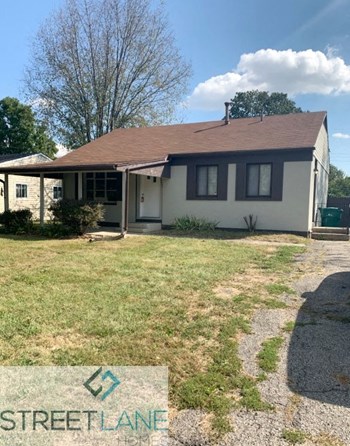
<point x="149" y="197"/>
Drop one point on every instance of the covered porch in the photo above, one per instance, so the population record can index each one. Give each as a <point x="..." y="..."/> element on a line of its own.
<point x="130" y="194"/>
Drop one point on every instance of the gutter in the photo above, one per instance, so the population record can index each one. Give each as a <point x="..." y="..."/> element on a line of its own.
<point x="133" y="167"/>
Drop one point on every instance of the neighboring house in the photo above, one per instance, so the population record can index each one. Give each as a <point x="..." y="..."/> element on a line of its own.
<point x="23" y="191"/>
<point x="275" y="168"/>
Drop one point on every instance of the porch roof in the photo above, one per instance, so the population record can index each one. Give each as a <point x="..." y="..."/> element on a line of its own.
<point x="154" y="169"/>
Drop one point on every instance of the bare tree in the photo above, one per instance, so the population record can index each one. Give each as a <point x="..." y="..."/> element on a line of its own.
<point x="101" y="64"/>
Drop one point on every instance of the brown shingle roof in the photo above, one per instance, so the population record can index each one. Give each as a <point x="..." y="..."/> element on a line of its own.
<point x="147" y="144"/>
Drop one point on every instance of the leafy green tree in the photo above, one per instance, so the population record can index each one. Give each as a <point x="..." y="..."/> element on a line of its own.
<point x="339" y="183"/>
<point x="102" y="64"/>
<point x="20" y="132"/>
<point x="256" y="103"/>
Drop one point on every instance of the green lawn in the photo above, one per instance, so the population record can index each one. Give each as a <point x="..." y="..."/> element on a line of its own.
<point x="150" y="300"/>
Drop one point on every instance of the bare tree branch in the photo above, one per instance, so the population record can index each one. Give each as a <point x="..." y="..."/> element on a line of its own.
<point x="101" y="64"/>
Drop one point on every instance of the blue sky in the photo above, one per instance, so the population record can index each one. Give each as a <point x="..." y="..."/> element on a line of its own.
<point x="301" y="47"/>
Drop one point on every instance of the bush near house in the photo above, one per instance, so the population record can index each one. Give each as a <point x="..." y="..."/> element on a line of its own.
<point x="17" y="222"/>
<point x="191" y="223"/>
<point x="77" y="216"/>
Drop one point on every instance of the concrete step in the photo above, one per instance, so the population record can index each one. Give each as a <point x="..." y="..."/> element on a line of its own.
<point x="143" y="227"/>
<point x="330" y="236"/>
<point x="329" y="230"/>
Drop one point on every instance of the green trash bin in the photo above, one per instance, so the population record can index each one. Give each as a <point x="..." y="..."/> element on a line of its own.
<point x="331" y="216"/>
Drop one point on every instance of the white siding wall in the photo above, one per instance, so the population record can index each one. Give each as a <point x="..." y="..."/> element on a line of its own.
<point x="321" y="154"/>
<point x="291" y="214"/>
<point x="321" y="148"/>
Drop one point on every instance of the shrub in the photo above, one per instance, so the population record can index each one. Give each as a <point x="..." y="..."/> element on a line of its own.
<point x="191" y="223"/>
<point x="17" y="222"/>
<point x="77" y="216"/>
<point x="251" y="222"/>
<point x="53" y="230"/>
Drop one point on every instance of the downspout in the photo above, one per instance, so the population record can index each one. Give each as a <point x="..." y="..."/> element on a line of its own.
<point x="3" y="191"/>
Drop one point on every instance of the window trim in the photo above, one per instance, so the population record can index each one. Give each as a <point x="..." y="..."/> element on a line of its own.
<point x="117" y="178"/>
<point x="53" y="192"/>
<point x="26" y="189"/>
<point x="222" y="178"/>
<point x="259" y="196"/>
<point x="277" y="175"/>
<point x="207" y="195"/>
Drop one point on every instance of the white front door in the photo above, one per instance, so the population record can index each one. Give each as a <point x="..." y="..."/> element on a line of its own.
<point x="150" y="195"/>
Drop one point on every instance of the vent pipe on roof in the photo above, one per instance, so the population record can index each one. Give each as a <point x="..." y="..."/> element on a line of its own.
<point x="227" y="113"/>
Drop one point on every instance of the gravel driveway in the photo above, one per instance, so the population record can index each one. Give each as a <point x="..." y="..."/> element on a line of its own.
<point x="311" y="388"/>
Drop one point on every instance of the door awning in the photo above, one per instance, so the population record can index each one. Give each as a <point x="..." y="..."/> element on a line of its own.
<point x="157" y="169"/>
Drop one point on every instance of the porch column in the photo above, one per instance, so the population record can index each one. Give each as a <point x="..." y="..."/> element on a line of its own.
<point x="125" y="202"/>
<point x="80" y="185"/>
<point x="6" y="192"/>
<point x="42" y="199"/>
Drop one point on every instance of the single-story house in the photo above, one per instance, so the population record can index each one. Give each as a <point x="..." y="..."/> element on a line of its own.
<point x="24" y="191"/>
<point x="274" y="167"/>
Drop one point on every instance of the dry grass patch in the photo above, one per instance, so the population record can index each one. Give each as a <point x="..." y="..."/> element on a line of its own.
<point x="292" y="407"/>
<point x="325" y="439"/>
<point x="69" y="339"/>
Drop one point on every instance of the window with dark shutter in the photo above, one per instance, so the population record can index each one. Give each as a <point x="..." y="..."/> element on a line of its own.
<point x="259" y="180"/>
<point x="207" y="181"/>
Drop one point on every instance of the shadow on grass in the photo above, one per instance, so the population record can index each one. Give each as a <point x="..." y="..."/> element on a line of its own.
<point x="319" y="351"/>
<point x="217" y="234"/>
<point x="233" y="234"/>
<point x="32" y="237"/>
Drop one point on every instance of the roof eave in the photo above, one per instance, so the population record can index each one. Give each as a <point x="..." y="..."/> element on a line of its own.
<point x="57" y="169"/>
<point x="238" y="151"/>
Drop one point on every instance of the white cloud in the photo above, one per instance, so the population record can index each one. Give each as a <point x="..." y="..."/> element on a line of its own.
<point x="341" y="135"/>
<point x="288" y="71"/>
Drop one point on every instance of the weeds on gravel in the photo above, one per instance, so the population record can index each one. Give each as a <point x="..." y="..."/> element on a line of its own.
<point x="250" y="394"/>
<point x="294" y="436"/>
<point x="282" y="259"/>
<point x="289" y="326"/>
<point x="268" y="356"/>
<point x="274" y="304"/>
<point x="209" y="390"/>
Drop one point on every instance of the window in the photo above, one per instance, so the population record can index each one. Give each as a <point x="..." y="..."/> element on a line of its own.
<point x="103" y="186"/>
<point x="207" y="181"/>
<point x="21" y="191"/>
<point x="57" y="192"/>
<point x="259" y="180"/>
